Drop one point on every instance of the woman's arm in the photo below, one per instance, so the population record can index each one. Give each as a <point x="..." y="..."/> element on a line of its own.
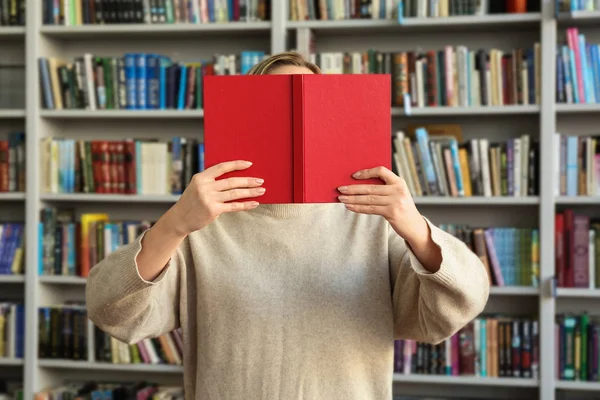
<point x="431" y="304"/>
<point x="134" y="293"/>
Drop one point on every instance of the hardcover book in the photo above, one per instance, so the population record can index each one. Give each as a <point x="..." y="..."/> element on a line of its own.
<point x="305" y="134"/>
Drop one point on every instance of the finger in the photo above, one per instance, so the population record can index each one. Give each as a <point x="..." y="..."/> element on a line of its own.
<point x="378" y="172"/>
<point x="222" y="168"/>
<point x="365" y="199"/>
<point x="236" y="194"/>
<point x="234" y="183"/>
<point x="238" y="206"/>
<point x="366" y="209"/>
<point x="380" y="190"/>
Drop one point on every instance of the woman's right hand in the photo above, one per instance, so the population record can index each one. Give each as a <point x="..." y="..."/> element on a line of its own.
<point x="205" y="198"/>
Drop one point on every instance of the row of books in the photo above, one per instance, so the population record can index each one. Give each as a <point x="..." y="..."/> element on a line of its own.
<point x="577" y="250"/>
<point x="102" y="390"/>
<point x="12" y="163"/>
<point x="301" y="10"/>
<point x="71" y="248"/>
<point x="12" y="12"/>
<point x="510" y="255"/>
<point x="63" y="334"/>
<point x="84" y="12"/>
<point x="577" y="70"/>
<point x="439" y="164"/>
<point x="453" y="76"/>
<point x="165" y="349"/>
<point x="12" y="248"/>
<point x="577" y="351"/>
<point x="12" y="330"/>
<point x="578" y="163"/>
<point x="489" y="346"/>
<point x="576" y="5"/>
<point x="142" y="167"/>
<point x="137" y="81"/>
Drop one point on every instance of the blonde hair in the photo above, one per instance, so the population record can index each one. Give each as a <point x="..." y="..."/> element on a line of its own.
<point x="278" y="60"/>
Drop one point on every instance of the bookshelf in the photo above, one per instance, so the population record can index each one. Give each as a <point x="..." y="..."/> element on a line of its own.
<point x="190" y="40"/>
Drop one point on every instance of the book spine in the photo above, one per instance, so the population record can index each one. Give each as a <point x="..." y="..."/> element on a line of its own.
<point x="298" y="138"/>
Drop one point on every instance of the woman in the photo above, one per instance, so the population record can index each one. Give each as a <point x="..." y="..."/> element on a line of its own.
<point x="289" y="301"/>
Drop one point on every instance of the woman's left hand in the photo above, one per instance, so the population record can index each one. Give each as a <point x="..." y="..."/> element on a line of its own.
<point x="393" y="202"/>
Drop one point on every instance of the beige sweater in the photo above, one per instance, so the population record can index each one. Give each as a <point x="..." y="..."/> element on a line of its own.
<point x="290" y="302"/>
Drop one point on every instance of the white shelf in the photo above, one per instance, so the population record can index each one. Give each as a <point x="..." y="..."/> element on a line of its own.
<point x="94" y="366"/>
<point x="155" y="30"/>
<point x="466" y="111"/>
<point x="12" y="31"/>
<point x="8" y="113"/>
<point x="465" y="380"/>
<point x="12" y="196"/>
<point x="62" y="280"/>
<point x="514" y="291"/>
<point x="578" y="200"/>
<point x="477" y="200"/>
<point x="113" y="114"/>
<point x="12" y="278"/>
<point x="578" y="385"/>
<point x="109" y="198"/>
<point x="578" y="293"/>
<point x="463" y="22"/>
<point x="577" y="108"/>
<point x="10" y="362"/>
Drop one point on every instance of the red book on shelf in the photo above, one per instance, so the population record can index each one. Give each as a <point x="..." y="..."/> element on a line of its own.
<point x="305" y="134"/>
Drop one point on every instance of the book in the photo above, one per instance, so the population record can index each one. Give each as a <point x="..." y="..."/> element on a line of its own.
<point x="305" y="134"/>
<point x="577" y="247"/>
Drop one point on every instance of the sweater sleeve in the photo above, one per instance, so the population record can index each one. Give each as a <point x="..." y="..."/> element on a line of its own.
<point x="430" y="307"/>
<point x="127" y="307"/>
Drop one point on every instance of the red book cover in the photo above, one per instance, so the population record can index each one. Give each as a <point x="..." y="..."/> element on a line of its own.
<point x="305" y="134"/>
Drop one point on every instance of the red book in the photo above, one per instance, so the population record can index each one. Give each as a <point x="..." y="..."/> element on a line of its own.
<point x="305" y="134"/>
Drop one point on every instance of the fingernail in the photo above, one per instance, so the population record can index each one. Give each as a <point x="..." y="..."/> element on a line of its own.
<point x="261" y="190"/>
<point x="350" y="206"/>
<point x="260" y="181"/>
<point x="343" y="198"/>
<point x="342" y="188"/>
<point x="248" y="163"/>
<point x="356" y="174"/>
<point x="254" y="204"/>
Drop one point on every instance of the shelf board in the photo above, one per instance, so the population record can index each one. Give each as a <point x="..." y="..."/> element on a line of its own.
<point x="578" y="292"/>
<point x="463" y="22"/>
<point x="156" y="30"/>
<point x="12" y="31"/>
<point x="578" y="200"/>
<point x="10" y="362"/>
<point x="109" y="198"/>
<point x="514" y="291"/>
<point x="466" y="111"/>
<point x="465" y="380"/>
<point x="579" y="17"/>
<point x="96" y="366"/>
<point x="12" y="278"/>
<point x="12" y="196"/>
<point x="62" y="280"/>
<point x="577" y="108"/>
<point x="113" y="114"/>
<point x="9" y="113"/>
<point x="477" y="200"/>
<point x="578" y="385"/>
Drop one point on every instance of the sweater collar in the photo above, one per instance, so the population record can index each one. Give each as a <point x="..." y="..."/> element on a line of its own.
<point x="291" y="210"/>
